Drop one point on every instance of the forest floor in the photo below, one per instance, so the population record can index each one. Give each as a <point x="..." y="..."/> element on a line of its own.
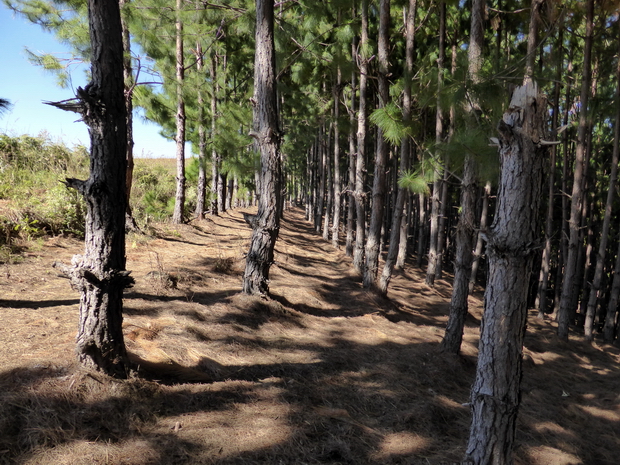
<point x="324" y="373"/>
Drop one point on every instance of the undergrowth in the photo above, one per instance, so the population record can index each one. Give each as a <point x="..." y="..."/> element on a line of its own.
<point x="35" y="202"/>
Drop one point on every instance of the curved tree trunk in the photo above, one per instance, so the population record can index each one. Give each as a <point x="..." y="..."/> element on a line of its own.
<point x="511" y="248"/>
<point x="267" y="135"/>
<point x="100" y="274"/>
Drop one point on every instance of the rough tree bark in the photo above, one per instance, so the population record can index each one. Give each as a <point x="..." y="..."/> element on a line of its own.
<point x="179" y="200"/>
<point x="383" y="149"/>
<point x="337" y="181"/>
<point x="360" y="162"/>
<point x="100" y="273"/>
<point x="512" y="246"/>
<point x="611" y="194"/>
<point x="431" y="268"/>
<point x="567" y="310"/>
<point x="267" y="135"/>
<point x="405" y="149"/>
<point x="352" y="161"/>
<point x="465" y="228"/>
<point x="128" y="78"/>
<point x="484" y="215"/>
<point x="201" y="188"/>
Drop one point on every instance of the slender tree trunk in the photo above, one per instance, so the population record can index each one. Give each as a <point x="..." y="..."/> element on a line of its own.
<point x="322" y="168"/>
<point x="403" y="248"/>
<point x="383" y="150"/>
<point x="352" y="167"/>
<point x="441" y="234"/>
<point x="179" y="200"/>
<point x="360" y="165"/>
<point x="100" y="274"/>
<point x="337" y="180"/>
<point x="465" y="228"/>
<point x="329" y="187"/>
<point x="545" y="267"/>
<point x="129" y="86"/>
<point x="570" y="270"/>
<point x="422" y="229"/>
<point x="431" y="269"/>
<point x="405" y="149"/>
<point x="611" y="194"/>
<point x="216" y="194"/>
<point x="267" y="135"/>
<point x="201" y="190"/>
<point x="611" y="327"/>
<point x="479" y="243"/>
<point x="495" y="396"/>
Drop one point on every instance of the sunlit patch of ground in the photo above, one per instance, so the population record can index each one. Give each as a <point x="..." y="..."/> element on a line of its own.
<point x="324" y="372"/>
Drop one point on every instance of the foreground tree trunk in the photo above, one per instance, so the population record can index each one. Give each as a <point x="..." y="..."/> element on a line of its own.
<point x="100" y="274"/>
<point x="267" y="135"/>
<point x="512" y="245"/>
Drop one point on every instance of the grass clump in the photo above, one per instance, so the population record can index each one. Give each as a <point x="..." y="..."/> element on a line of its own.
<point x="33" y="200"/>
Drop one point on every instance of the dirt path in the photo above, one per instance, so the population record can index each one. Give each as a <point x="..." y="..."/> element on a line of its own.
<point x="325" y="372"/>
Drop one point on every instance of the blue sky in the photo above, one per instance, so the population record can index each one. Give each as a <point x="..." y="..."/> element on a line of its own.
<point x="26" y="86"/>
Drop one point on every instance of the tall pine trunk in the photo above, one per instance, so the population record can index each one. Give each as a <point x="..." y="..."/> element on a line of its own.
<point x="129" y="87"/>
<point x="360" y="163"/>
<point x="405" y="149"/>
<point x="267" y="135"/>
<point x="566" y="310"/>
<point x="611" y="193"/>
<point x="337" y="181"/>
<point x="431" y="268"/>
<point x="179" y="200"/>
<point x="511" y="248"/>
<point x="352" y="167"/>
<point x="383" y="149"/>
<point x="465" y="228"/>
<point x="201" y="188"/>
<point x="100" y="274"/>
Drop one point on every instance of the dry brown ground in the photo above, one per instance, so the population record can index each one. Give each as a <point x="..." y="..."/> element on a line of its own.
<point x="324" y="373"/>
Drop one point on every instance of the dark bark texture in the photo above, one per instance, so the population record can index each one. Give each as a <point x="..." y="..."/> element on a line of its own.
<point x="383" y="149"/>
<point x="267" y="136"/>
<point x="100" y="274"/>
<point x="512" y="246"/>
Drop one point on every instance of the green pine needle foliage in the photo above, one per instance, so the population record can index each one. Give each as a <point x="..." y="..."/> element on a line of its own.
<point x="389" y="120"/>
